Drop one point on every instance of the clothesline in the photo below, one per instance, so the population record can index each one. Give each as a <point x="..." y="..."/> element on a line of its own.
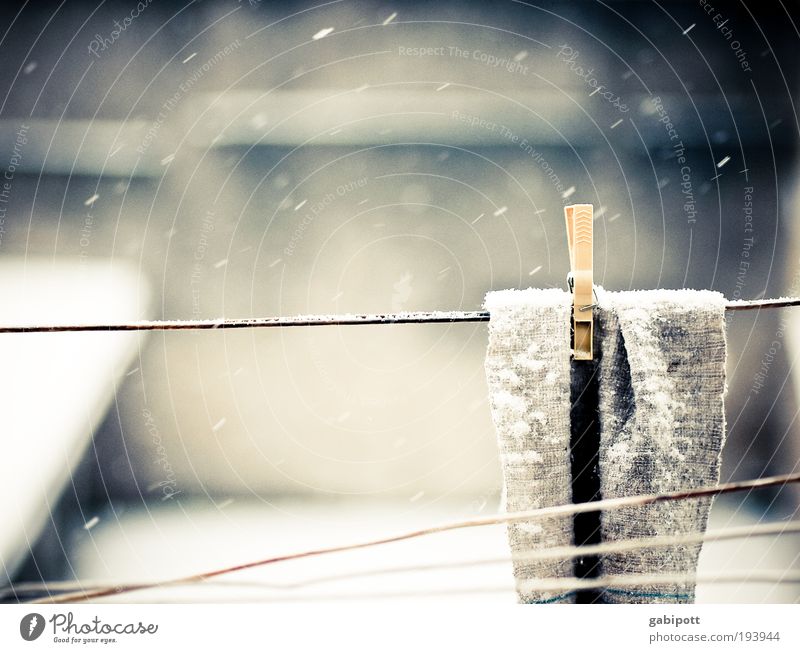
<point x="507" y="518"/>
<point x="727" y="533"/>
<point x="348" y="319"/>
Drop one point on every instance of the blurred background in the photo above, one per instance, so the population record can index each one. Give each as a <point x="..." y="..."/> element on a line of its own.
<point x="245" y="159"/>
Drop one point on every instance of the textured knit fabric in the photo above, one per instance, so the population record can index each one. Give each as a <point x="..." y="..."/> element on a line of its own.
<point x="528" y="372"/>
<point x="662" y="380"/>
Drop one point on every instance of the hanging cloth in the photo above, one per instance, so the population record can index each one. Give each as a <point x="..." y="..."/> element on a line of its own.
<point x="660" y="358"/>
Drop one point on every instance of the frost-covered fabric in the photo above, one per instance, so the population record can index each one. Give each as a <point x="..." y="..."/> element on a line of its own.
<point x="662" y="380"/>
<point x="528" y="371"/>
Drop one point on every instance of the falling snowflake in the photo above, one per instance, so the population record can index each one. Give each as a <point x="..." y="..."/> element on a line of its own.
<point x="322" y="33"/>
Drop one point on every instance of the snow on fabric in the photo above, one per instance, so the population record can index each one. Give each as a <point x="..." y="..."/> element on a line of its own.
<point x="662" y="380"/>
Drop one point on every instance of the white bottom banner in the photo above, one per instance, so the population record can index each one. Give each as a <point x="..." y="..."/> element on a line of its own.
<point x="370" y="626"/>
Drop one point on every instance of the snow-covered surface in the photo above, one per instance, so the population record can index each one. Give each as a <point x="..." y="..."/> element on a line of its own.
<point x="527" y="297"/>
<point x="54" y="387"/>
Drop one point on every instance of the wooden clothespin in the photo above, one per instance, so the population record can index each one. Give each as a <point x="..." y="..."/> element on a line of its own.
<point x="579" y="219"/>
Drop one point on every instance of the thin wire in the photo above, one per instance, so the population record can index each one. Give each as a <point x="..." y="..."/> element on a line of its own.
<point x="540" y="513"/>
<point x="503" y="589"/>
<point x="636" y="580"/>
<point x="567" y="585"/>
<point x="558" y="552"/>
<point x="422" y="317"/>
<point x="634" y="544"/>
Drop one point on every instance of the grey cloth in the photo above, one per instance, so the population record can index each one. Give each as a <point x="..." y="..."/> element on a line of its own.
<point x="528" y="372"/>
<point x="662" y="381"/>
